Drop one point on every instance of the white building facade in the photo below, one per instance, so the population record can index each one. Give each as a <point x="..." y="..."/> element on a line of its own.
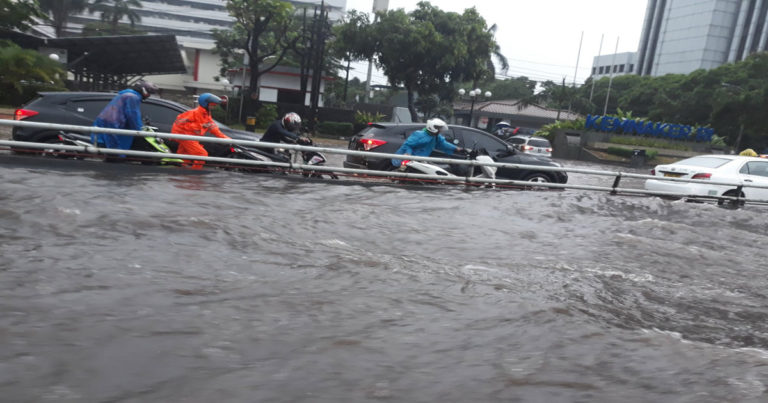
<point x="615" y="64"/>
<point x="680" y="36"/>
<point x="193" y="22"/>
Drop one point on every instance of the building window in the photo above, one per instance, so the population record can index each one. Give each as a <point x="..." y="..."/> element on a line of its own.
<point x="631" y="67"/>
<point x="615" y="68"/>
<point x="601" y="70"/>
<point x="621" y="68"/>
<point x="594" y="70"/>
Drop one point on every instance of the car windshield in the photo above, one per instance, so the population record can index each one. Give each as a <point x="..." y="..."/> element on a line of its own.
<point x="706" y="162"/>
<point x="539" y="143"/>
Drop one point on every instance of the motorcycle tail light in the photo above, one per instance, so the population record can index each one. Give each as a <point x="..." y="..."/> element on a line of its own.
<point x="21" y="114"/>
<point x="370" y="144"/>
<point x="704" y="175"/>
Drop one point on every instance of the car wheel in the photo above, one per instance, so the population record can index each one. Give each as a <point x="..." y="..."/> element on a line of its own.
<point x="731" y="204"/>
<point x="537" y="177"/>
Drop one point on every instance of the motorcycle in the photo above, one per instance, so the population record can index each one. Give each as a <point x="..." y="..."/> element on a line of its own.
<point x="479" y="172"/>
<point x="273" y="155"/>
<point x="147" y="144"/>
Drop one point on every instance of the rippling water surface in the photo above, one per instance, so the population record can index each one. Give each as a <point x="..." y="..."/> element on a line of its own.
<point x="244" y="288"/>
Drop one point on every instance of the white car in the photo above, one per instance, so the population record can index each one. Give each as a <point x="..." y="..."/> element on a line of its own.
<point x="531" y="145"/>
<point x="732" y="169"/>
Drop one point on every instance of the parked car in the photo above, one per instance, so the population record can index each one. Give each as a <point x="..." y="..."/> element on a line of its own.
<point x="735" y="169"/>
<point x="531" y="145"/>
<point x="81" y="108"/>
<point x="388" y="137"/>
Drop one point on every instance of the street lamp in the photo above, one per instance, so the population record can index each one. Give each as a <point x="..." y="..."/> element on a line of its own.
<point x="473" y="95"/>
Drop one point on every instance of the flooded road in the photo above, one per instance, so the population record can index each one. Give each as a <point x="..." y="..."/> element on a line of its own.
<point x="243" y="288"/>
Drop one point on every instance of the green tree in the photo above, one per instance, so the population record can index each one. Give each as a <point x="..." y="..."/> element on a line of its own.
<point x="264" y="29"/>
<point x="19" y="14"/>
<point x="427" y="50"/>
<point x="112" y="11"/>
<point x="60" y="10"/>
<point x="513" y="88"/>
<point x="24" y="71"/>
<point x="348" y="42"/>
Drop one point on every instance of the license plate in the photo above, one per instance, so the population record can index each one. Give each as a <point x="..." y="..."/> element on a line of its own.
<point x="672" y="175"/>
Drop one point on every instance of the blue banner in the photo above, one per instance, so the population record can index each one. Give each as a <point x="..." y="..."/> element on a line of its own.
<point x="645" y="128"/>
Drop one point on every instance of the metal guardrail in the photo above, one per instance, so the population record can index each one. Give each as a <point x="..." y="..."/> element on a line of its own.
<point x="614" y="189"/>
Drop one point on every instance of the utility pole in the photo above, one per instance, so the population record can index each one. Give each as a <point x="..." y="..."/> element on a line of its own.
<point x="378" y="5"/>
<point x="610" y="80"/>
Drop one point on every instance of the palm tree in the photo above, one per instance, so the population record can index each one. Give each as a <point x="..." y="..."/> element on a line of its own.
<point x="60" y="10"/>
<point x="112" y="11"/>
<point x="496" y="52"/>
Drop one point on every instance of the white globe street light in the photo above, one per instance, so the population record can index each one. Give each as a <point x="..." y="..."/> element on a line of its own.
<point x="54" y="57"/>
<point x="473" y="94"/>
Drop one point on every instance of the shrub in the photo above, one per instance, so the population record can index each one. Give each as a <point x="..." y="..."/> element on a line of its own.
<point x="335" y="128"/>
<point x="647" y="142"/>
<point x="265" y="115"/>
<point x="548" y="131"/>
<point x="364" y="118"/>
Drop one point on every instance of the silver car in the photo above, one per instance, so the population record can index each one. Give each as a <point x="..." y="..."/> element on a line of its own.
<point x="531" y="145"/>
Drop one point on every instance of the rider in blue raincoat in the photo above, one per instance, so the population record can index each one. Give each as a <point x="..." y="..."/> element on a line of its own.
<point x="421" y="143"/>
<point x="123" y="112"/>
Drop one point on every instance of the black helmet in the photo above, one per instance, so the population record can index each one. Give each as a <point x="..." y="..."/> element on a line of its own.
<point x="145" y="88"/>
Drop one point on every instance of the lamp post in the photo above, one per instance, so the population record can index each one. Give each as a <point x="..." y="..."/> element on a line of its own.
<point x="473" y="95"/>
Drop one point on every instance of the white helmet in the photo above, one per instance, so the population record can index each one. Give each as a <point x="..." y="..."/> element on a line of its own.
<point x="435" y="126"/>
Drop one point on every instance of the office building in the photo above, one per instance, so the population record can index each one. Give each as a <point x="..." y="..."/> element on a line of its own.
<point x="680" y="36"/>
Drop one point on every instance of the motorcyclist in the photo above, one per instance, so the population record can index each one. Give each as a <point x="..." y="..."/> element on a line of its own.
<point x="504" y="130"/>
<point x="421" y="143"/>
<point x="285" y="130"/>
<point x="122" y="112"/>
<point x="198" y="122"/>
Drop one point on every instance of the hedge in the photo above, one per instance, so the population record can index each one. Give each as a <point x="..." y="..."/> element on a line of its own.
<point x="335" y="128"/>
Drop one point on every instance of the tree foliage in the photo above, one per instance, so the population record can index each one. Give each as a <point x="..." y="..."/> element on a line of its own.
<point x="113" y="11"/>
<point x="19" y="14"/>
<point x="426" y="51"/>
<point x="264" y="29"/>
<point x="24" y="71"/>
<point x="732" y="98"/>
<point x="60" y="10"/>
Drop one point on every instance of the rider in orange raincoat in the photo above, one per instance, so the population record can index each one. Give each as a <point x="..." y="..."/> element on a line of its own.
<point x="197" y="122"/>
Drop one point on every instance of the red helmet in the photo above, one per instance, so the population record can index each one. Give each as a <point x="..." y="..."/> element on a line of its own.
<point x="292" y="121"/>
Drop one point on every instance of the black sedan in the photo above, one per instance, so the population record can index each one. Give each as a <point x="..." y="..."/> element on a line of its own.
<point x="388" y="137"/>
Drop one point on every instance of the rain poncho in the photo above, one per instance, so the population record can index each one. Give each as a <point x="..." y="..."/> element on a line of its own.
<point x="123" y="112"/>
<point x="196" y="122"/>
<point x="421" y="143"/>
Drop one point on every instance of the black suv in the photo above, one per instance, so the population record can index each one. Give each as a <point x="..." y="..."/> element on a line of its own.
<point x="81" y="109"/>
<point x="388" y="137"/>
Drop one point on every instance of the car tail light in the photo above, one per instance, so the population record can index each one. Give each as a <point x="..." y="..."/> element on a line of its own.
<point x="526" y="148"/>
<point x="705" y="175"/>
<point x="549" y="150"/>
<point x="370" y="144"/>
<point x="653" y="172"/>
<point x="21" y="114"/>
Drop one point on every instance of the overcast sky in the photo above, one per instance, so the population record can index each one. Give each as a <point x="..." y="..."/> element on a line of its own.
<point x="540" y="38"/>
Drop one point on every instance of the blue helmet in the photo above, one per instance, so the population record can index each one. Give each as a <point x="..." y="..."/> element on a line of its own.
<point x="207" y="98"/>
